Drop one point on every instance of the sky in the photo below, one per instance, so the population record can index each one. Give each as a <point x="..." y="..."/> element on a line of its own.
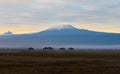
<point x="26" y="16"/>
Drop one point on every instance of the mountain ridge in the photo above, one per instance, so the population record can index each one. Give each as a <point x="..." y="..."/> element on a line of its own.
<point x="69" y="29"/>
<point x="60" y="28"/>
<point x="63" y="36"/>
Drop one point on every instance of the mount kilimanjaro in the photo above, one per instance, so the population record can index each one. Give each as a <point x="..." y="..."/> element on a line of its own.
<point x="61" y="35"/>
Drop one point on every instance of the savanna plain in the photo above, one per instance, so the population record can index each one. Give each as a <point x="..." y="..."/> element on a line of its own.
<point x="59" y="62"/>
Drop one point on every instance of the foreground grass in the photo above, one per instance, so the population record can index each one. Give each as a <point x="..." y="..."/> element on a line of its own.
<point x="56" y="62"/>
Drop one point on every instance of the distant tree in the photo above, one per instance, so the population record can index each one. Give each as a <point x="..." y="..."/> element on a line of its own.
<point x="63" y="49"/>
<point x="48" y="49"/>
<point x="31" y="49"/>
<point x="45" y="48"/>
<point x="71" y="49"/>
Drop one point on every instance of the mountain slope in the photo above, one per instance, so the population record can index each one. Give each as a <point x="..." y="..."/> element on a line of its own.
<point x="68" y="30"/>
<point x="60" y="36"/>
<point x="8" y="33"/>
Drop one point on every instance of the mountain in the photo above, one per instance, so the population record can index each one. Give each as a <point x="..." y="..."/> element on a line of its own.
<point x="61" y="27"/>
<point x="8" y="33"/>
<point x="62" y="35"/>
<point x="67" y="30"/>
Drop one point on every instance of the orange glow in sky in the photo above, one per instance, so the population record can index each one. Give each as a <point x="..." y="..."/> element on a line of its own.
<point x="33" y="29"/>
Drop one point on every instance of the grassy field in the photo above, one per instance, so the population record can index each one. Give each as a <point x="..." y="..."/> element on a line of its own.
<point x="60" y="62"/>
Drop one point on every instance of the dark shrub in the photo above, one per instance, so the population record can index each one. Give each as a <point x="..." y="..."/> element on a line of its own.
<point x="71" y="49"/>
<point x="62" y="49"/>
<point x="31" y="48"/>
<point x="48" y="48"/>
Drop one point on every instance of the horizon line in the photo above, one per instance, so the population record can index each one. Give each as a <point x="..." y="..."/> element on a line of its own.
<point x="53" y="28"/>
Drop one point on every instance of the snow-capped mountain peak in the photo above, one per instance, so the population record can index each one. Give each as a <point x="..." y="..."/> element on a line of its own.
<point x="60" y="27"/>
